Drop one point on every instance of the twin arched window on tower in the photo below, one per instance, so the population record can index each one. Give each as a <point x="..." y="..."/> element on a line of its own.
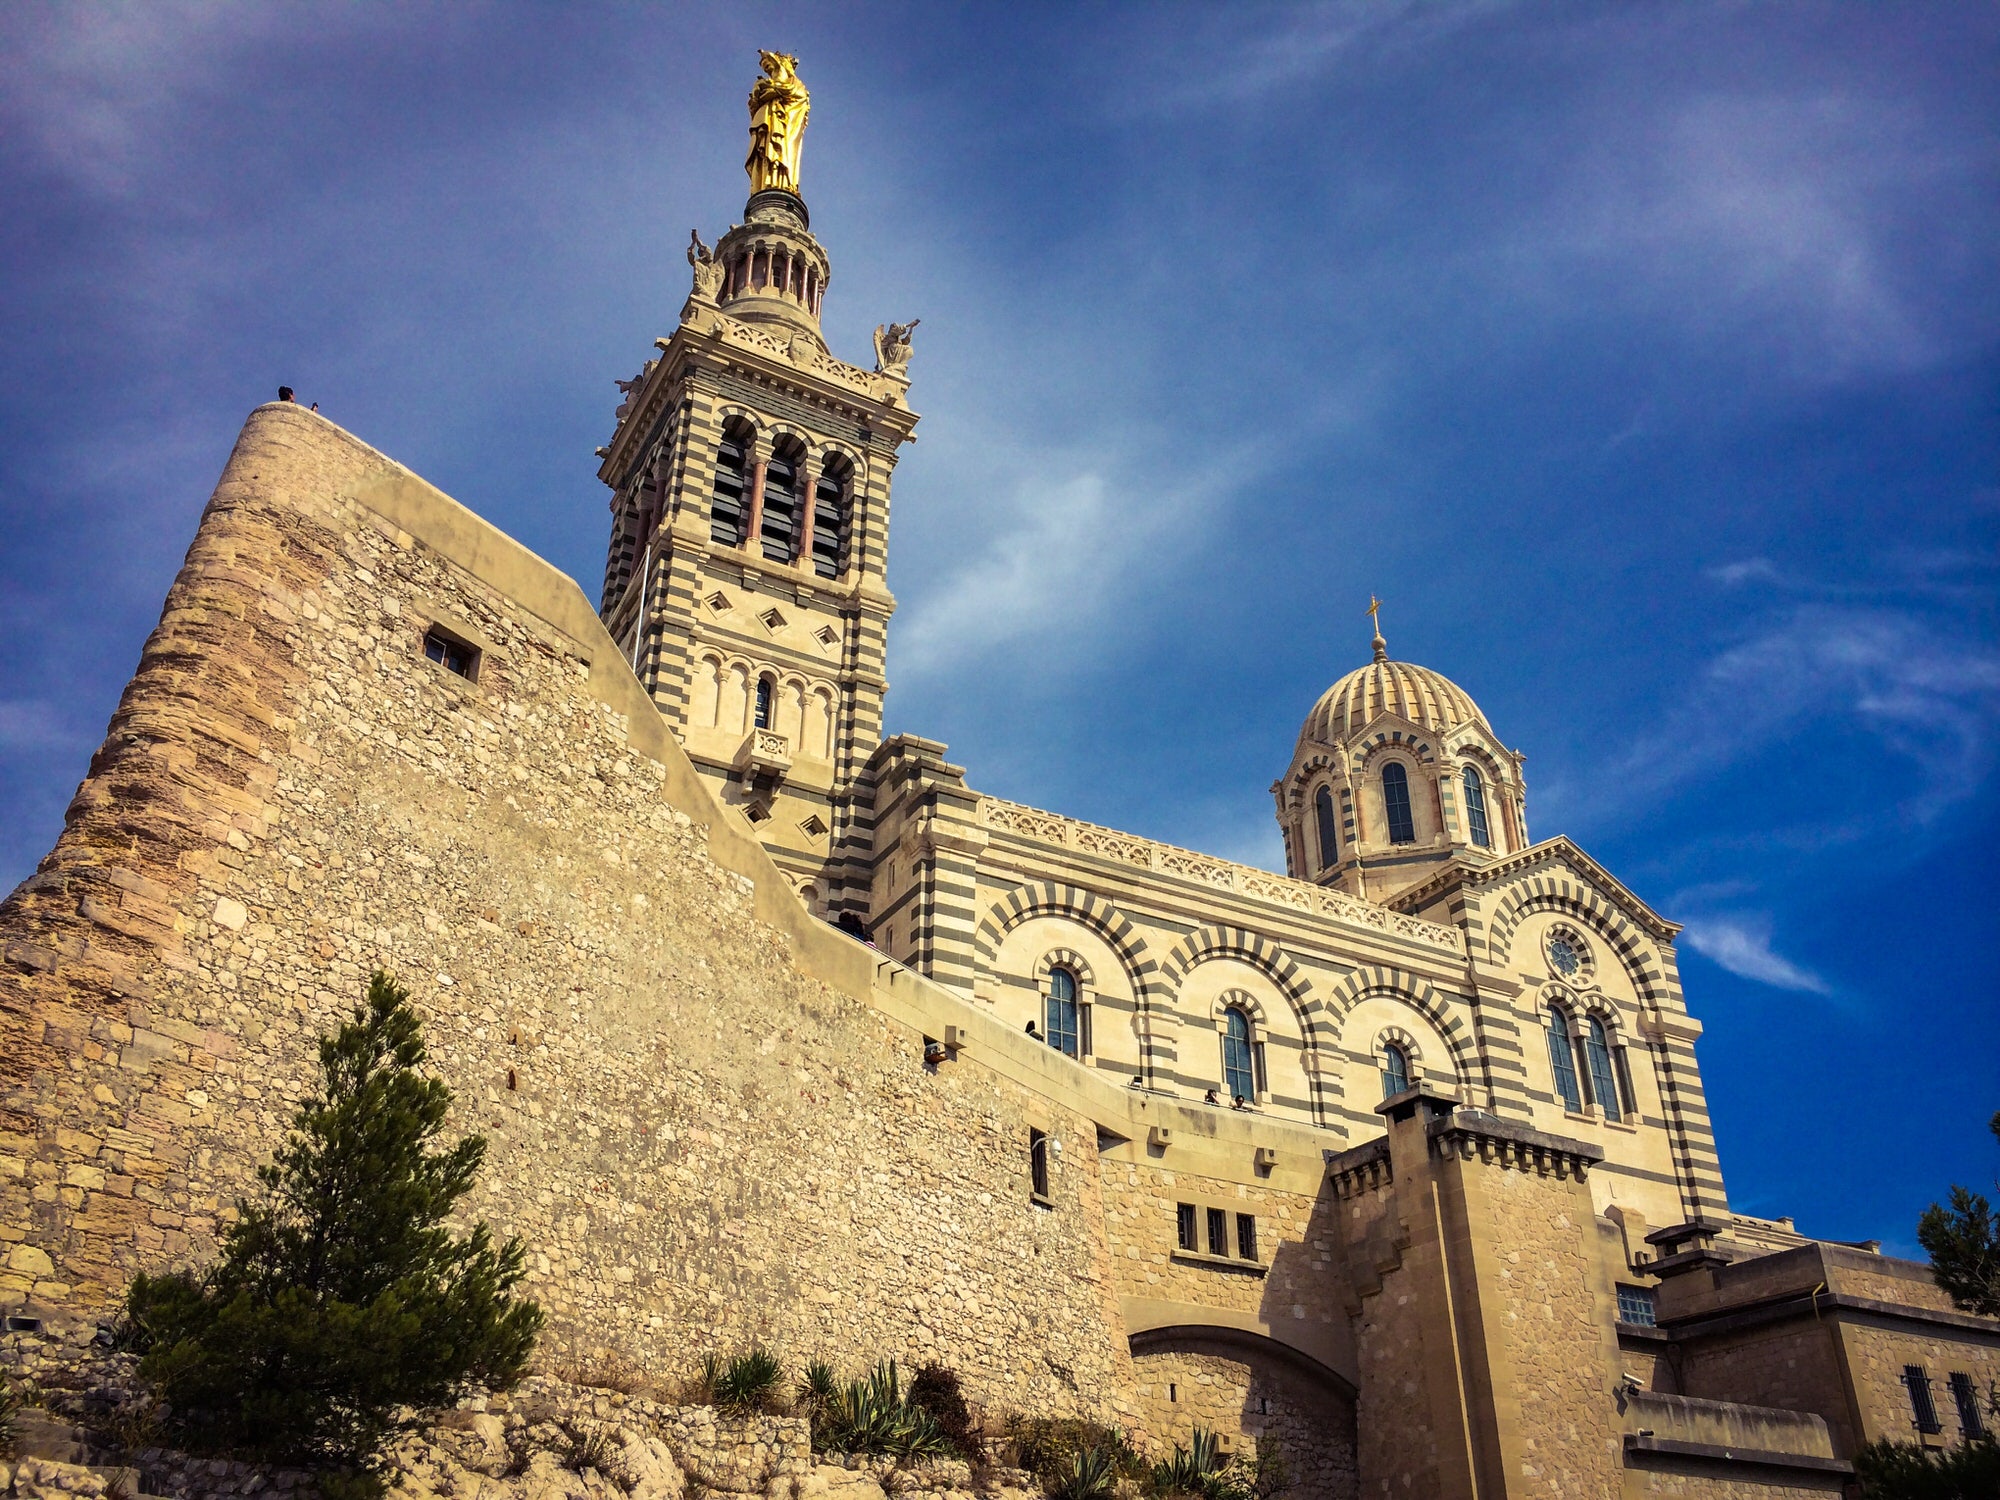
<point x="1602" y="1079"/>
<point x="796" y="519"/>
<point x="1327" y="827"/>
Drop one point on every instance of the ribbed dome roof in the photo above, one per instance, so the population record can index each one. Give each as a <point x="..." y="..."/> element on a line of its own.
<point x="1426" y="698"/>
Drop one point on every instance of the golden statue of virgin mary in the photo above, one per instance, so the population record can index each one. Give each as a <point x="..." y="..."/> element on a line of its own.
<point x="778" y="107"/>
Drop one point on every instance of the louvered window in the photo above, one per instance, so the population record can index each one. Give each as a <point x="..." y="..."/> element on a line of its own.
<point x="725" y="511"/>
<point x="781" y="507"/>
<point x="829" y="557"/>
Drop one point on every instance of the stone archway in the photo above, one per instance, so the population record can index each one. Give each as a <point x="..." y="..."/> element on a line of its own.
<point x="1255" y="1393"/>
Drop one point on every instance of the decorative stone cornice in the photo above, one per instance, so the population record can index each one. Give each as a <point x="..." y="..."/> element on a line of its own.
<point x="1244" y="880"/>
<point x="1474" y="1135"/>
<point x="1365" y="1169"/>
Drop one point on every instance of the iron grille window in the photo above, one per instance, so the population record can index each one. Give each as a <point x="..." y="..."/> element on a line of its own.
<point x="1237" y="1078"/>
<point x="1218" y="1232"/>
<point x="1329" y="830"/>
<point x="1246" y="1236"/>
<point x="1923" y="1410"/>
<point x="1475" y="809"/>
<point x="1395" y="1070"/>
<point x="725" y="511"/>
<point x="1038" y="1163"/>
<point x="1597" y="1047"/>
<point x="781" y="508"/>
<point x="1184" y="1226"/>
<point x="1971" y="1421"/>
<point x="829" y="526"/>
<point x="1635" y="1305"/>
<point x="1061" y="1011"/>
<point x="1396" y="802"/>
<point x="1562" y="1060"/>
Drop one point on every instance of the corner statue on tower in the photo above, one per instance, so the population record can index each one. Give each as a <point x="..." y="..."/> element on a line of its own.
<point x="778" y="108"/>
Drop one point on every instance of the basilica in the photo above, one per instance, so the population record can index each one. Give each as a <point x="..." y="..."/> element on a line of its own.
<point x="1397" y="1165"/>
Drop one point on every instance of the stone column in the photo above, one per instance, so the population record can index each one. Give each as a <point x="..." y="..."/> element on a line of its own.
<point x="811" y="475"/>
<point x="753" y="527"/>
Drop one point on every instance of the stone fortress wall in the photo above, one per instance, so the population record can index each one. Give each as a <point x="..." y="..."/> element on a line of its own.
<point x="711" y="1115"/>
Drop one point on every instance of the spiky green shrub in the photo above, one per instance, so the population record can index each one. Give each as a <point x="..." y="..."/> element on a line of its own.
<point x="875" y="1415"/>
<point x="1049" y="1448"/>
<point x="1204" y="1471"/>
<point x="1092" y="1475"/>
<point x="818" y="1388"/>
<point x="752" y="1381"/>
<point x="340" y="1294"/>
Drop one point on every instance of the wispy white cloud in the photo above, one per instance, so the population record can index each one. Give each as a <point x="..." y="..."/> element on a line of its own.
<point x="1748" y="570"/>
<point x="1741" y="943"/>
<point x="1931" y="700"/>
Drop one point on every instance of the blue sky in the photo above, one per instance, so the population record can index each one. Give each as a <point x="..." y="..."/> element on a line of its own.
<point x="1642" y="358"/>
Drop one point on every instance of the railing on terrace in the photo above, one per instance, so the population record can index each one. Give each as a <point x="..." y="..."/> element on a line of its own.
<point x="1244" y="880"/>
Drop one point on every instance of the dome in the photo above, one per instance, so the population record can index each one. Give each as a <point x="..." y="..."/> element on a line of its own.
<point x="1427" y="699"/>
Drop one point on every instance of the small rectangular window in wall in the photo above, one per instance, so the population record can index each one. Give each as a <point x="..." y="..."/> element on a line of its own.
<point x="451" y="653"/>
<point x="1184" y="1226"/>
<point x="1218" y="1232"/>
<point x="1246" y="1236"/>
<point x="1923" y="1410"/>
<point x="1965" y="1395"/>
<point x="1635" y="1306"/>
<point x="1038" y="1165"/>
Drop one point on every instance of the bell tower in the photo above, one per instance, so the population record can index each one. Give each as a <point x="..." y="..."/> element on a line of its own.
<point x="750" y="475"/>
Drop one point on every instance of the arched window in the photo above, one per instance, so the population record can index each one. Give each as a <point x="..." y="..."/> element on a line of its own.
<point x="1061" y="1011"/>
<point x="1603" y="1082"/>
<point x="781" y="504"/>
<point x="1475" y="808"/>
<point x="1396" y="803"/>
<point x="1238" y="1079"/>
<point x="764" y="710"/>
<point x="726" y="508"/>
<point x="1395" y="1070"/>
<point x="1329" y="830"/>
<point x="1562" y="1060"/>
<point x="830" y="506"/>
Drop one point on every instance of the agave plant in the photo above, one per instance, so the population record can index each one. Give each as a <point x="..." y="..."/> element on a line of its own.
<point x="1092" y="1474"/>
<point x="819" y="1387"/>
<point x="1201" y="1469"/>
<point x="749" y="1382"/>
<point x="875" y="1415"/>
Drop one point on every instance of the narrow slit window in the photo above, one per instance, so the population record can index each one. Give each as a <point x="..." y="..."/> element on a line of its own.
<point x="1246" y="1236"/>
<point x="1184" y="1227"/>
<point x="764" y="696"/>
<point x="1923" y="1410"/>
<point x="1396" y="803"/>
<point x="1562" y="1061"/>
<point x="1038" y="1164"/>
<point x="1475" y="809"/>
<point x="1218" y="1232"/>
<point x="1329" y="829"/>
<point x="449" y="652"/>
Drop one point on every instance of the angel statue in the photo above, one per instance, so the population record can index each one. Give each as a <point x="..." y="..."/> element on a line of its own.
<point x="778" y="108"/>
<point x="707" y="270"/>
<point x="892" y="348"/>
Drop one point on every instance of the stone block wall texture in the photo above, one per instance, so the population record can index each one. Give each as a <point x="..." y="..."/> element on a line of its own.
<point x="1270" y="1407"/>
<point x="691" y="1132"/>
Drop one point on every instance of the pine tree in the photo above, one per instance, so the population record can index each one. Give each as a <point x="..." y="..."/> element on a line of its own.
<point x="1964" y="1242"/>
<point x="340" y="1295"/>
